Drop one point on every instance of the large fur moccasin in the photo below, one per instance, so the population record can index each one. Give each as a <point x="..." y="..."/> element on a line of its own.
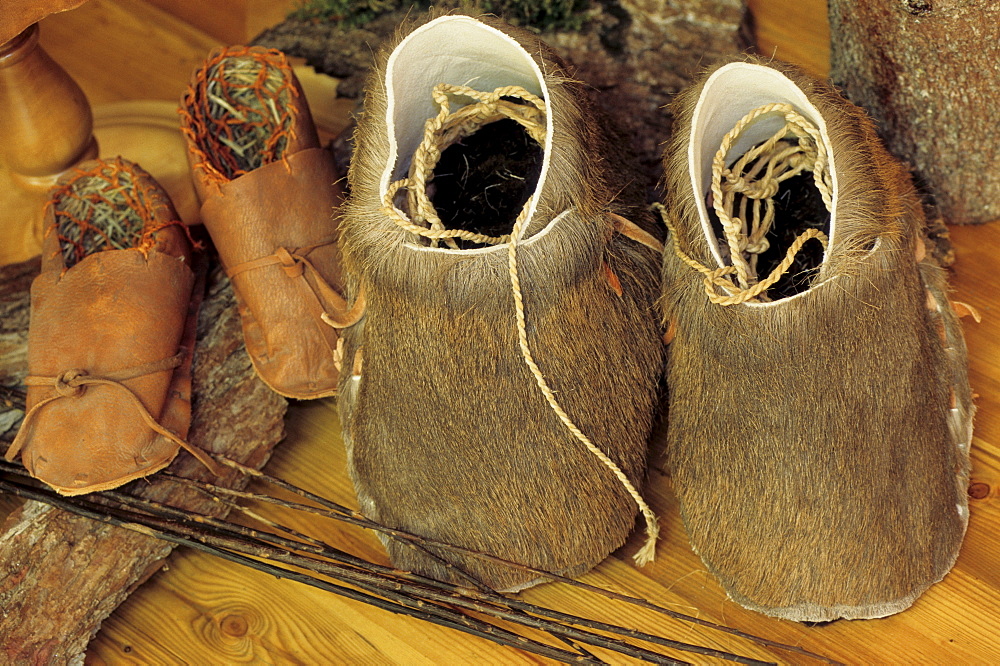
<point x="820" y="414"/>
<point x="449" y="433"/>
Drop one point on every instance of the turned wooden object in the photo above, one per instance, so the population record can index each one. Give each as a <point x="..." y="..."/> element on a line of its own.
<point x="929" y="73"/>
<point x="48" y="126"/>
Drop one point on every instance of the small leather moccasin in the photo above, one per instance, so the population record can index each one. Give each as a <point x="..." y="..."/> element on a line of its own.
<point x="268" y="194"/>
<point x="820" y="410"/>
<point x="499" y="389"/>
<point x="111" y="336"/>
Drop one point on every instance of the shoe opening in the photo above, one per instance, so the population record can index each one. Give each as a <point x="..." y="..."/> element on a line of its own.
<point x="798" y="207"/>
<point x="468" y="132"/>
<point x="762" y="166"/>
<point x="107" y="206"/>
<point x="482" y="183"/>
<point x="239" y="114"/>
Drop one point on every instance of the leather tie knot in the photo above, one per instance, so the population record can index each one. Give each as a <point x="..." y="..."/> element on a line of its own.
<point x="290" y="263"/>
<point x="68" y="385"/>
<point x="295" y="263"/>
<point x="72" y="383"/>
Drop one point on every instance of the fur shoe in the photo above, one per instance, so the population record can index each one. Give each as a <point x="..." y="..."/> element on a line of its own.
<point x="504" y="310"/>
<point x="820" y="410"/>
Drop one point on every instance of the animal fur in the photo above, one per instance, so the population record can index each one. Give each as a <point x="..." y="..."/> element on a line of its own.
<point x="820" y="469"/>
<point x="448" y="435"/>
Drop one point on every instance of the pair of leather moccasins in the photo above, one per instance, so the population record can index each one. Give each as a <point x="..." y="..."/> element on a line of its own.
<point x="113" y="314"/>
<point x="508" y="365"/>
<point x="497" y="297"/>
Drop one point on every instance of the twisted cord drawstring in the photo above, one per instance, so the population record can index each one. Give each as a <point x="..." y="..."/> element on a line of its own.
<point x="757" y="176"/>
<point x="440" y="132"/>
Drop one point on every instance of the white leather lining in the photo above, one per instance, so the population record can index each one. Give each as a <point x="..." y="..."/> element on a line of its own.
<point x="458" y="50"/>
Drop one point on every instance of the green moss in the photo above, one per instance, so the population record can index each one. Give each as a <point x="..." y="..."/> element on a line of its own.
<point x="538" y="14"/>
<point x="351" y="13"/>
<point x="541" y="14"/>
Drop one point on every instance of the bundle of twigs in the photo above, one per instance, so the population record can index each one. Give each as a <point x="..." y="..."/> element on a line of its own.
<point x="286" y="553"/>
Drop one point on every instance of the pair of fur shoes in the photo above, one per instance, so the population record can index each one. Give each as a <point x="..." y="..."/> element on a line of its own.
<point x="496" y="308"/>
<point x="504" y="377"/>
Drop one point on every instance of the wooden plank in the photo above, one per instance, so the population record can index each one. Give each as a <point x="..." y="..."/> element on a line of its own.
<point x="132" y="50"/>
<point x="229" y="21"/>
<point x="795" y="31"/>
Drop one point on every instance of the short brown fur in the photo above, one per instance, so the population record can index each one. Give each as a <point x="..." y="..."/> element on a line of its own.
<point x="448" y="435"/>
<point x="810" y="443"/>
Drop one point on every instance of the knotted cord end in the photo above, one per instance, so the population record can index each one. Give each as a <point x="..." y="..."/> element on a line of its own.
<point x="647" y="553"/>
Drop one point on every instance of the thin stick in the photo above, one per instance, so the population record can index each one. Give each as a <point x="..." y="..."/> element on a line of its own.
<point x="233" y="506"/>
<point x="499" y="606"/>
<point x="383" y="580"/>
<point x="339" y="512"/>
<point x="353" y="519"/>
<point x="405" y="606"/>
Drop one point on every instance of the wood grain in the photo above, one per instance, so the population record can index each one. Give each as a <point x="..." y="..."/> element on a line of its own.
<point x="125" y="50"/>
<point x="55" y="560"/>
<point x="231" y="21"/>
<point x="200" y="610"/>
<point x="795" y="31"/>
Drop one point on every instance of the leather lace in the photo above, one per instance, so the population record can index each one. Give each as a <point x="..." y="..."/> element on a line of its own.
<point x="73" y="383"/>
<point x="296" y="264"/>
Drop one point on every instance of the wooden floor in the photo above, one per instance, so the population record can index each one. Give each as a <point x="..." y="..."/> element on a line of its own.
<point x="201" y="610"/>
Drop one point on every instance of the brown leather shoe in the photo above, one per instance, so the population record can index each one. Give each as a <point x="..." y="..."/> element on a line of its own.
<point x="112" y="334"/>
<point x="268" y="194"/>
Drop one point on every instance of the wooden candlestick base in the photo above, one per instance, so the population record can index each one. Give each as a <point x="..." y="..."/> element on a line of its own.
<point x="146" y="133"/>
<point x="49" y="129"/>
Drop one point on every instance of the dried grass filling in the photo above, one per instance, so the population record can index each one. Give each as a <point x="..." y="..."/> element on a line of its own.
<point x="105" y="208"/>
<point x="240" y="114"/>
<point x="475" y="171"/>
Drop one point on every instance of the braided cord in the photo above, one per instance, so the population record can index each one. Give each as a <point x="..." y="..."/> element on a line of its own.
<point x="756" y="177"/>
<point x="443" y="130"/>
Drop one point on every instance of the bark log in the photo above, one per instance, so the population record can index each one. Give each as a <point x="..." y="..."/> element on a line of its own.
<point x="928" y="71"/>
<point x="60" y="574"/>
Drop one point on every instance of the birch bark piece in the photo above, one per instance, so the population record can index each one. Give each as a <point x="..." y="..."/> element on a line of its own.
<point x="61" y="574"/>
<point x="928" y="71"/>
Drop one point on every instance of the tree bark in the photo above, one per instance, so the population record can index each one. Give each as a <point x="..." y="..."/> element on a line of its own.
<point x="929" y="72"/>
<point x="60" y="574"/>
